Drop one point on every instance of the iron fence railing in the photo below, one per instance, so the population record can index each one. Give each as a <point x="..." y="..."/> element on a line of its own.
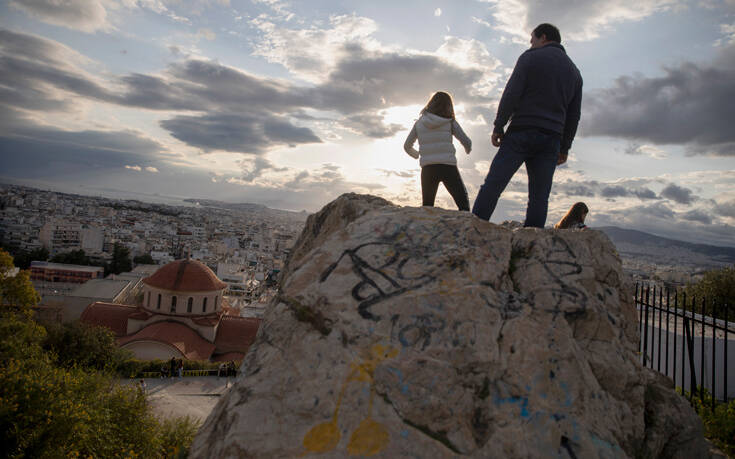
<point x="680" y="341"/>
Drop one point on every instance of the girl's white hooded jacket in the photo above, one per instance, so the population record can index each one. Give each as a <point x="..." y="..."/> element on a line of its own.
<point x="434" y="134"/>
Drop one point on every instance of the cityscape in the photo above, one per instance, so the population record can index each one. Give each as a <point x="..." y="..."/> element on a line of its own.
<point x="245" y="245"/>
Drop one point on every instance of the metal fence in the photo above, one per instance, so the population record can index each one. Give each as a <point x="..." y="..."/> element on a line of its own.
<point x="678" y="340"/>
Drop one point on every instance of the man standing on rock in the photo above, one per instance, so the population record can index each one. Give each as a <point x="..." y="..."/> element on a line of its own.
<point x="542" y="100"/>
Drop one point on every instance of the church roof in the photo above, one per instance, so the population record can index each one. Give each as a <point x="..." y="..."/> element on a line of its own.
<point x="236" y="334"/>
<point x="185" y="276"/>
<point x="178" y="335"/>
<point x="110" y="315"/>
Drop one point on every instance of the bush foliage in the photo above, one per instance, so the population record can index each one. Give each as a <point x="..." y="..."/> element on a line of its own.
<point x="53" y="405"/>
<point x="719" y="424"/>
<point x="717" y="288"/>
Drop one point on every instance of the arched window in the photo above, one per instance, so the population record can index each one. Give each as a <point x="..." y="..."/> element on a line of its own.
<point x="189" y="304"/>
<point x="173" y="304"/>
<point x="215" y="303"/>
<point x="204" y="304"/>
<point x="159" y="302"/>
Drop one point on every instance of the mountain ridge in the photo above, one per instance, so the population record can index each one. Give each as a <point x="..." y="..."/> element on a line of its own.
<point x="642" y="239"/>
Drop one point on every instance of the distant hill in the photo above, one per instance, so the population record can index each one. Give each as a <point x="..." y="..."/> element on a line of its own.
<point x="636" y="243"/>
<point x="246" y="207"/>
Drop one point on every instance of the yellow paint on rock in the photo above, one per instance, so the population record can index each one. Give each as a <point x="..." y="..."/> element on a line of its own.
<point x="322" y="437"/>
<point x="370" y="437"/>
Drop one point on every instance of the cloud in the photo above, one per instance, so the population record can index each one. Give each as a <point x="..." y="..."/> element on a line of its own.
<point x="399" y="174"/>
<point x="254" y="169"/>
<point x="134" y="168"/>
<point x="689" y="105"/>
<point x="246" y="133"/>
<point x="438" y="12"/>
<point x="207" y="34"/>
<point x="577" y="21"/>
<point x="33" y="151"/>
<point x="151" y="169"/>
<point x="645" y="150"/>
<point x="728" y="38"/>
<point x="371" y="125"/>
<point x="726" y="209"/>
<point x="630" y="188"/>
<point x="698" y="216"/>
<point x="84" y="15"/>
<point x="368" y="81"/>
<point x="312" y="53"/>
<point x="678" y="194"/>
<point x="38" y="76"/>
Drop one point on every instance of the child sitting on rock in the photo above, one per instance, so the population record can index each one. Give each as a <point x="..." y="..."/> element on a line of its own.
<point x="574" y="219"/>
<point x="434" y="131"/>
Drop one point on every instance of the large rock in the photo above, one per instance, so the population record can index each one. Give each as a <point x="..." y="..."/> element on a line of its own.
<point x="421" y="332"/>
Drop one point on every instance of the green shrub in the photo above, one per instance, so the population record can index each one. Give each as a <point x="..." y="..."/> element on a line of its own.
<point x="176" y="436"/>
<point x="719" y="425"/>
<point x="85" y="346"/>
<point x="53" y="410"/>
<point x="717" y="287"/>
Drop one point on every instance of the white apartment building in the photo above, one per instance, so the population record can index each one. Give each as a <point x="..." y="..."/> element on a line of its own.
<point x="59" y="236"/>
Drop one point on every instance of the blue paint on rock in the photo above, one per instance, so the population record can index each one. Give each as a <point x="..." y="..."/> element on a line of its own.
<point x="521" y="401"/>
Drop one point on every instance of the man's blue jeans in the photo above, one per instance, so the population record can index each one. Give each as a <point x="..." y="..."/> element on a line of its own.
<point x="540" y="152"/>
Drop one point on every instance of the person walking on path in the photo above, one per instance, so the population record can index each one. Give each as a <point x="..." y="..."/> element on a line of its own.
<point x="542" y="100"/>
<point x="434" y="131"/>
<point x="172" y="366"/>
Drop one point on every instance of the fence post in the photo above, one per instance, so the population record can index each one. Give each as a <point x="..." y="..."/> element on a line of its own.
<point x="667" y="332"/>
<point x="676" y="332"/>
<point x="658" y="311"/>
<point x="685" y="324"/>
<point x="724" y="389"/>
<point x="690" y="348"/>
<point x="714" y="340"/>
<point x="701" y="353"/>
<point x="645" y="327"/>
<point x="639" y="303"/>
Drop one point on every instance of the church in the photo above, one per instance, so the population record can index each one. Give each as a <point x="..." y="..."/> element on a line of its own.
<point x="182" y="315"/>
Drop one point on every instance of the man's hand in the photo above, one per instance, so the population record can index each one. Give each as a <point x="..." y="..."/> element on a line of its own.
<point x="496" y="138"/>
<point x="562" y="158"/>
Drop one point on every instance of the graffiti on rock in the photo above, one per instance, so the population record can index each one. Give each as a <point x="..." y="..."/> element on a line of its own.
<point x="382" y="271"/>
<point x="370" y="437"/>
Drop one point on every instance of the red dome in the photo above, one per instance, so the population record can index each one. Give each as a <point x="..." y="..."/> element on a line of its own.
<point x="185" y="276"/>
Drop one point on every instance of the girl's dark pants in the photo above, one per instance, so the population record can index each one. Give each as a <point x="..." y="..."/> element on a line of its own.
<point x="447" y="174"/>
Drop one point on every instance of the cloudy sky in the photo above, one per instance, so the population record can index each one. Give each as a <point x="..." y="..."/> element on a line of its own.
<point x="291" y="103"/>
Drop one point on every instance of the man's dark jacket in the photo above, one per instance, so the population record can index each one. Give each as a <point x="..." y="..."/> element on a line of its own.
<point x="545" y="92"/>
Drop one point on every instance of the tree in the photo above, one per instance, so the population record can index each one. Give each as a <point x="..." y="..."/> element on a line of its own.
<point x="120" y="259"/>
<point x="23" y="258"/>
<point x="717" y="287"/>
<point x="48" y="410"/>
<point x="15" y="290"/>
<point x="85" y="346"/>
<point x="75" y="257"/>
<point x="146" y="259"/>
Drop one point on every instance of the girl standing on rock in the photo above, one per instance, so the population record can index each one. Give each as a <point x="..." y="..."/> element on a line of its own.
<point x="574" y="219"/>
<point x="434" y="131"/>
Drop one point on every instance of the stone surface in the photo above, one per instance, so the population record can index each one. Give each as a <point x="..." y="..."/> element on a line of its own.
<point x="421" y="332"/>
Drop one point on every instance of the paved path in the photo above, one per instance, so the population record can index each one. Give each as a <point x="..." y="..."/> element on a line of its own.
<point x="190" y="396"/>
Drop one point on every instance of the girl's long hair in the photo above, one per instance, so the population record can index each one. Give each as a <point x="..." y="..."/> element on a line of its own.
<point x="575" y="215"/>
<point x="440" y="104"/>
